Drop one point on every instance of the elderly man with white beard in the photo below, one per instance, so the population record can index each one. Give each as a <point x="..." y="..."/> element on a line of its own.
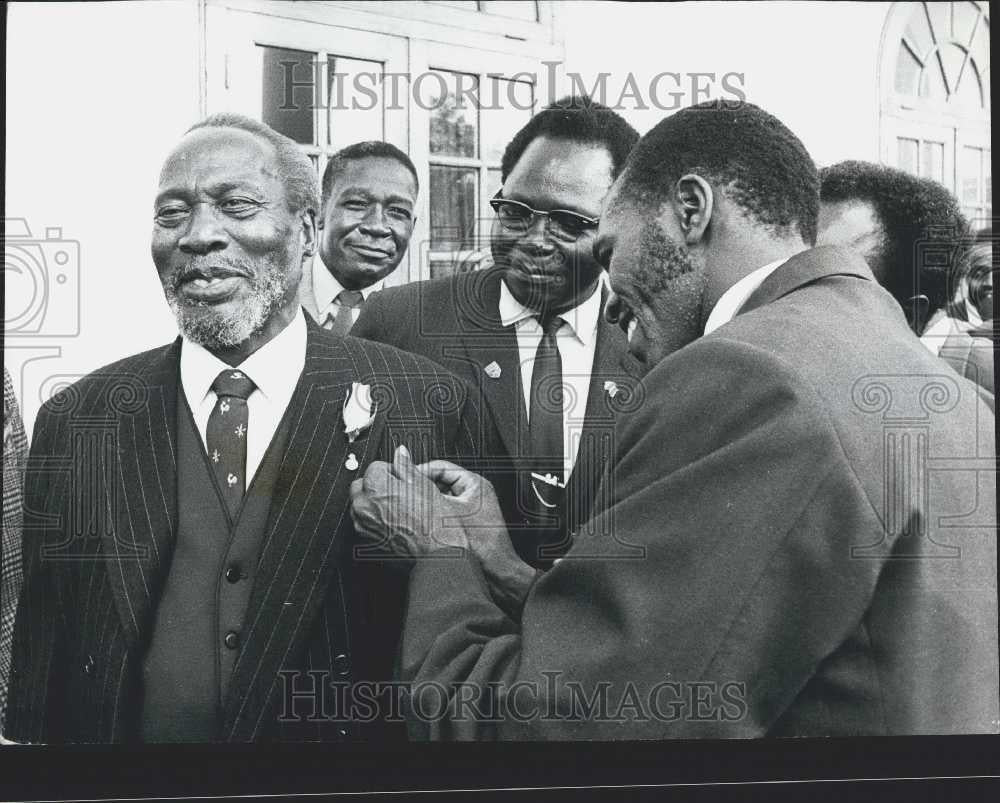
<point x="192" y="573"/>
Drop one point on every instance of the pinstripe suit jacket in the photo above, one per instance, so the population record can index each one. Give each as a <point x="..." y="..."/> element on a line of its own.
<point x="101" y="518"/>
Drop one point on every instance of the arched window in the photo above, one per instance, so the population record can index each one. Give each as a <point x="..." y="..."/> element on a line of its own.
<point x="935" y="93"/>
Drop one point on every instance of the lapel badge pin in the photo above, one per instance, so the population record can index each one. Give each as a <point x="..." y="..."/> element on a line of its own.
<point x="493" y="370"/>
<point x="611" y="388"/>
<point x="351" y="464"/>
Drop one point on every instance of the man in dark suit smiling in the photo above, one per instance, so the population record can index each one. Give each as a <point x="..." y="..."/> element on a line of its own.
<point x="529" y="331"/>
<point x="191" y="568"/>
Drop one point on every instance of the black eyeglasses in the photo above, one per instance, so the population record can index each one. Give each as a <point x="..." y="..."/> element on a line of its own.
<point x="517" y="217"/>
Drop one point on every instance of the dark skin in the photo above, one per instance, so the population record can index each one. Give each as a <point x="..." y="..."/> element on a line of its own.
<point x="542" y="271"/>
<point x="367" y="221"/>
<point x="418" y="510"/>
<point x="720" y="246"/>
<point x="221" y="207"/>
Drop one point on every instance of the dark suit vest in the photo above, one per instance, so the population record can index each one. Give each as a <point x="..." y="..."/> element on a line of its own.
<point x="197" y="631"/>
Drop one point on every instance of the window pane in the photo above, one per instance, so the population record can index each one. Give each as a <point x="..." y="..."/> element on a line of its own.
<point x="355" y="101"/>
<point x="931" y="82"/>
<point x="453" y="114"/>
<point x="918" y="33"/>
<point x="522" y="9"/>
<point x="970" y="91"/>
<point x="907" y="71"/>
<point x="964" y="17"/>
<point x="471" y="5"/>
<point x="932" y="161"/>
<point x="289" y="90"/>
<point x="493" y="181"/>
<point x="506" y="106"/>
<point x="970" y="176"/>
<point x="940" y="14"/>
<point x="453" y="207"/>
<point x="906" y="155"/>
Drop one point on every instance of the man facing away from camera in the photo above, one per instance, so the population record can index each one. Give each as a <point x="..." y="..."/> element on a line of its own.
<point x="529" y="331"/>
<point x="366" y="219"/>
<point x="190" y="580"/>
<point x="909" y="230"/>
<point x="808" y="496"/>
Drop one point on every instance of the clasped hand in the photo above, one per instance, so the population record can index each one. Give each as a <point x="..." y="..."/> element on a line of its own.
<point x="409" y="511"/>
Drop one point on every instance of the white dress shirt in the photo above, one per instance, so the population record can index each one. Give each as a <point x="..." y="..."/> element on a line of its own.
<point x="576" y="341"/>
<point x="326" y="288"/>
<point x="735" y="297"/>
<point x="274" y="368"/>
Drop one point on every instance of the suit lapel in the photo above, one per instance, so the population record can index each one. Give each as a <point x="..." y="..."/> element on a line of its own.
<point x="309" y="515"/>
<point x="491" y="358"/>
<point x="612" y="364"/>
<point x="137" y="549"/>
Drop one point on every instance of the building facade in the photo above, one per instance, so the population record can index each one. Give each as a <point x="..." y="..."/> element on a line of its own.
<point x="92" y="113"/>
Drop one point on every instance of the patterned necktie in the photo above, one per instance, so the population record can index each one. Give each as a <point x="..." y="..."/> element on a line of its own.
<point x="226" y="436"/>
<point x="348" y="300"/>
<point x="545" y="421"/>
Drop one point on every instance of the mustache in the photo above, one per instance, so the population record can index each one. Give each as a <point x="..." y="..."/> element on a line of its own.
<point x="210" y="268"/>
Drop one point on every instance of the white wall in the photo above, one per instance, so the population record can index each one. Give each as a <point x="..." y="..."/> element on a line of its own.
<point x="813" y="64"/>
<point x="97" y="94"/>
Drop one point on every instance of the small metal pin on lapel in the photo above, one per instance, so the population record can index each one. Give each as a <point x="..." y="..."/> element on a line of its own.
<point x="351" y="464"/>
<point x="493" y="370"/>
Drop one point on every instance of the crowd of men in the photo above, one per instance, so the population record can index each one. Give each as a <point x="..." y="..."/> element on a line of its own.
<point x="705" y="449"/>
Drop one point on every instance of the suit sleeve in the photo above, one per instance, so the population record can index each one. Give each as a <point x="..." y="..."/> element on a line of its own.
<point x="682" y="615"/>
<point x="33" y="704"/>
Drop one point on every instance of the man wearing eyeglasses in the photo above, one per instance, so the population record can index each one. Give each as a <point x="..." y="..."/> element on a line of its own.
<point x="529" y="330"/>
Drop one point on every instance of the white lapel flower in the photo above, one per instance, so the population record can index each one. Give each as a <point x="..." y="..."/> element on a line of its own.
<point x="358" y="412"/>
<point x="611" y="388"/>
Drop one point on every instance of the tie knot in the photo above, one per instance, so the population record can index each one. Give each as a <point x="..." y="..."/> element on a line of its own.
<point x="233" y="382"/>
<point x="350" y="298"/>
<point x="550" y="323"/>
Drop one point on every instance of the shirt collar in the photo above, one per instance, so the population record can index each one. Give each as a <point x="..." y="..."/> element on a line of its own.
<point x="735" y="297"/>
<point x="326" y="288"/>
<point x="273" y="367"/>
<point x="582" y="319"/>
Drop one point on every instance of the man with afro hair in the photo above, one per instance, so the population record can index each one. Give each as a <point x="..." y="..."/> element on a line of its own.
<point x="908" y="229"/>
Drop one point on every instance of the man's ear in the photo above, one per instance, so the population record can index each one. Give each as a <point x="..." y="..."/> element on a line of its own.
<point x="308" y="233"/>
<point x="693" y="204"/>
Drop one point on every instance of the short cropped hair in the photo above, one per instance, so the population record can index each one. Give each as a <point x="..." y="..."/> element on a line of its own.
<point x="760" y="163"/>
<point x="364" y="150"/>
<point x="923" y="228"/>
<point x="575" y="119"/>
<point x="294" y="168"/>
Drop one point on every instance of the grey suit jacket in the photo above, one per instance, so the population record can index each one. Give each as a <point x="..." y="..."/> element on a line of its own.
<point x="808" y="501"/>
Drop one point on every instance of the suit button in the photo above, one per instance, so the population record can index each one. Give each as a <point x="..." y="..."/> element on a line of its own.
<point x="342" y="733"/>
<point x="232" y="639"/>
<point x="233" y="574"/>
<point x="342" y="664"/>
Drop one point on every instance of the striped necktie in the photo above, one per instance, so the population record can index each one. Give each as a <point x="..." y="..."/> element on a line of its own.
<point x="341" y="324"/>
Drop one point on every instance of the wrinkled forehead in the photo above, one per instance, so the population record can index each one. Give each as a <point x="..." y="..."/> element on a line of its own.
<point x="220" y="155"/>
